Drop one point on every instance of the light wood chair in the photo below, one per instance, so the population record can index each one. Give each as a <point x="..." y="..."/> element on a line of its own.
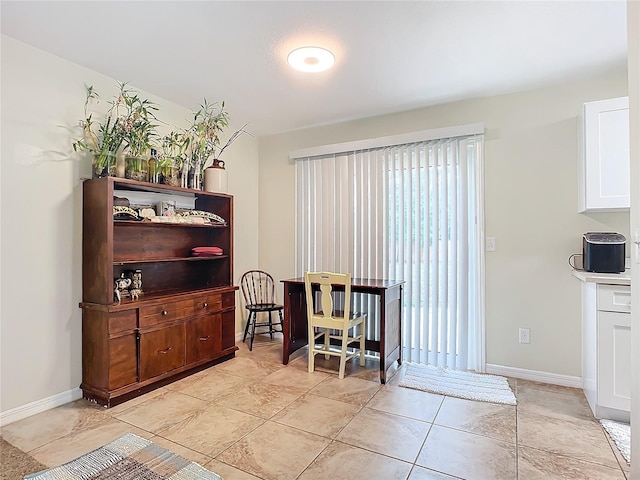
<point x="327" y="318"/>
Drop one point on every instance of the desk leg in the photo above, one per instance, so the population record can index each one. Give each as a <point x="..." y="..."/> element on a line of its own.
<point x="390" y="330"/>
<point x="286" y="325"/>
<point x="295" y="320"/>
<point x="383" y="337"/>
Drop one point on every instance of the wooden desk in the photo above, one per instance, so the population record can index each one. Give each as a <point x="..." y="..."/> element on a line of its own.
<point x="389" y="293"/>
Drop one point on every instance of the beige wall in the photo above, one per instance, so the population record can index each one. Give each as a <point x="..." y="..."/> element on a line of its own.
<point x="531" y="156"/>
<point x="41" y="232"/>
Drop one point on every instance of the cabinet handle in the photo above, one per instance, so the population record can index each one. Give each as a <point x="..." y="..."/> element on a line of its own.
<point x="204" y="339"/>
<point x="164" y="312"/>
<point x="205" y="305"/>
<point x="166" y="350"/>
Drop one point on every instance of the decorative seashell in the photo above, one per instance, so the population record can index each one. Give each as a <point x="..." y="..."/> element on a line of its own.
<point x="200" y="213"/>
<point x="120" y="211"/>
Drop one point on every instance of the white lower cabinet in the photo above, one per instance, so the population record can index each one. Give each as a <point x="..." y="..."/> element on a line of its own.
<point x="606" y="349"/>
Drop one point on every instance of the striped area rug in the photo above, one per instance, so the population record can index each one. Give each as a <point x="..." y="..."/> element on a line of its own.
<point x="127" y="457"/>
<point x="456" y="383"/>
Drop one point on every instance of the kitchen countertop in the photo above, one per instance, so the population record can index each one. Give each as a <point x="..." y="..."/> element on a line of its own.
<point x="606" y="278"/>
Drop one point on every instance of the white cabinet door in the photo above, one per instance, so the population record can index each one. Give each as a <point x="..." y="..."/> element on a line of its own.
<point x="614" y="360"/>
<point x="604" y="162"/>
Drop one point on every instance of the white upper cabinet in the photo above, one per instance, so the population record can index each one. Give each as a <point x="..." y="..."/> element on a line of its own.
<point x="604" y="156"/>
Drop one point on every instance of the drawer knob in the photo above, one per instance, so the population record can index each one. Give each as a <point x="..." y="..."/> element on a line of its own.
<point x="164" y="312"/>
<point x="205" y="305"/>
<point x="166" y="350"/>
<point x="204" y="339"/>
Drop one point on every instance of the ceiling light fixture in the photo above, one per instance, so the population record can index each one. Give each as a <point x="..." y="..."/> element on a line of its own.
<point x="311" y="59"/>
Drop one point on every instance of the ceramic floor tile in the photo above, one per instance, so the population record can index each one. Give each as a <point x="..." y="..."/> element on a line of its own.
<point x="547" y="387"/>
<point x="407" y="402"/>
<point x="339" y="460"/>
<point x="384" y="433"/>
<point x="187" y="381"/>
<point x="76" y="444"/>
<point x="350" y="389"/>
<point x="400" y="372"/>
<point x="262" y="346"/>
<point x="211" y="430"/>
<point x="295" y="378"/>
<point x="319" y="415"/>
<point x="562" y="403"/>
<point x="536" y="464"/>
<point x="421" y="473"/>
<point x="252" y="367"/>
<point x="227" y="408"/>
<point x="135" y="401"/>
<point x="370" y="371"/>
<point x="581" y="439"/>
<point x="227" y="472"/>
<point x="161" y="411"/>
<point x="488" y="419"/>
<point x="212" y="385"/>
<point x="467" y="455"/>
<point x="274" y="452"/>
<point x="181" y="450"/>
<point x="261" y="399"/>
<point x="37" y="430"/>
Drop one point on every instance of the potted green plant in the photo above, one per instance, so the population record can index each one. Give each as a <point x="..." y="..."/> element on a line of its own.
<point x="128" y="121"/>
<point x="204" y="139"/>
<point x="140" y="132"/>
<point x="104" y="143"/>
<point x="173" y="156"/>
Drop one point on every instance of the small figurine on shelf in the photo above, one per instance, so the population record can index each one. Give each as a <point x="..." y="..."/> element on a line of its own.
<point x="121" y="285"/>
<point x="135" y="289"/>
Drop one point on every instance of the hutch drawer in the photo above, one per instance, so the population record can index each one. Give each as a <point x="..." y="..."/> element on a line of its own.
<point x="161" y="351"/>
<point x="165" y="312"/>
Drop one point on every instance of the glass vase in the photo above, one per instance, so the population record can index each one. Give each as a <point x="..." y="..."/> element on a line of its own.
<point x="136" y="168"/>
<point x="103" y="165"/>
<point x="169" y="172"/>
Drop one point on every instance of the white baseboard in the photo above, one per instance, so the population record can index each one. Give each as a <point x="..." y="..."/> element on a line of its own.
<point x="535" y="376"/>
<point x="39" y="406"/>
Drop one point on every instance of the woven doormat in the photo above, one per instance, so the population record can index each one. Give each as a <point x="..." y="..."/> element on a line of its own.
<point x="456" y="383"/>
<point x="127" y="458"/>
<point x="620" y="433"/>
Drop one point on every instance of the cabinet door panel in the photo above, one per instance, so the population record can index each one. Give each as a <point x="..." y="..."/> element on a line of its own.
<point x="228" y="329"/>
<point x="606" y="154"/>
<point x="161" y="351"/>
<point x="203" y="338"/>
<point x="122" y="361"/>
<point x="614" y="360"/>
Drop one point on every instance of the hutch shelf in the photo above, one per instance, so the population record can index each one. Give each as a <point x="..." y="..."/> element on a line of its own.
<point x="183" y="322"/>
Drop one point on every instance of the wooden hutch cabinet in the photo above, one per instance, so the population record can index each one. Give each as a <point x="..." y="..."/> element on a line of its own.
<point x="184" y="320"/>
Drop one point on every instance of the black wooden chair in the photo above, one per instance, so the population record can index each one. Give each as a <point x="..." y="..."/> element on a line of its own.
<point x="258" y="290"/>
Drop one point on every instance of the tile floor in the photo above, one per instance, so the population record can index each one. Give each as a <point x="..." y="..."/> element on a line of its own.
<point x="253" y="418"/>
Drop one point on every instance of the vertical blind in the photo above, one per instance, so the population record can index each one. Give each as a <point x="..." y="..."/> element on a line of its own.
<point x="409" y="212"/>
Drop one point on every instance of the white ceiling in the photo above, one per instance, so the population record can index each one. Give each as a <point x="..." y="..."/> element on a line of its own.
<point x="390" y="56"/>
